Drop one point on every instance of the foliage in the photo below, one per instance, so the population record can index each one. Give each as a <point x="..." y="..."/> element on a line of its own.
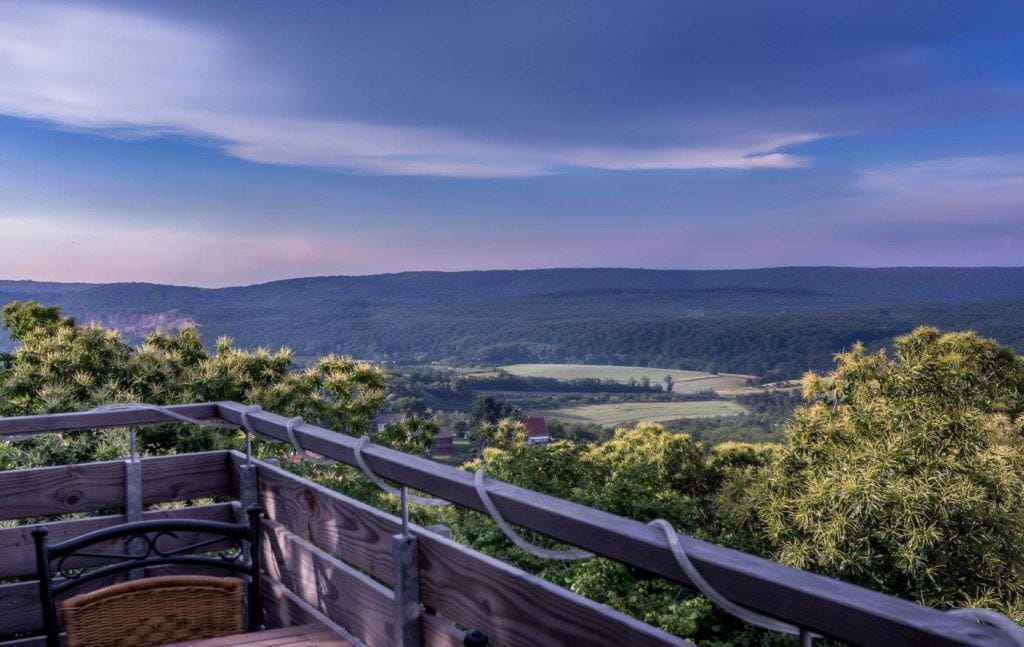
<point x="770" y="410"/>
<point x="903" y="474"/>
<point x="507" y="433"/>
<point x="412" y="434"/>
<point x="644" y="472"/>
<point x="27" y="320"/>
<point x="489" y="410"/>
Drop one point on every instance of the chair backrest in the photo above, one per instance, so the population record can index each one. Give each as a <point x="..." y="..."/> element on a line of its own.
<point x="235" y="548"/>
<point x="155" y="611"/>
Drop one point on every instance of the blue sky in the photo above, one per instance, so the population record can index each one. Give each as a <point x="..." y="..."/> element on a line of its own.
<point x="227" y="143"/>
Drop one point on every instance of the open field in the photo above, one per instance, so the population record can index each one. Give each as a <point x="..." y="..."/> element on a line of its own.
<point x="685" y="381"/>
<point x="784" y="385"/>
<point x="599" y="372"/>
<point x="624" y="412"/>
<point x="720" y="384"/>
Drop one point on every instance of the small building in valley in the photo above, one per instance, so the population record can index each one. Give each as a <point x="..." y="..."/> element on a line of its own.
<point x="444" y="442"/>
<point x="382" y="420"/>
<point x="536" y="430"/>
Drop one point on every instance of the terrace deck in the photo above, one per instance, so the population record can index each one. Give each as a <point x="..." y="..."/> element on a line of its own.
<point x="299" y="635"/>
<point x="338" y="564"/>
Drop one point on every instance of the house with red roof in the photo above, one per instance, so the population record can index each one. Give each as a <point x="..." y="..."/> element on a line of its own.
<point x="536" y="430"/>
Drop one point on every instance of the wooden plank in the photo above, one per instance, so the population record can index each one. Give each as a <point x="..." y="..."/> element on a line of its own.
<point x="17" y="549"/>
<point x="361" y="529"/>
<point x="31" y="641"/>
<point x="186" y="476"/>
<point x="512" y="606"/>
<point x="20" y="609"/>
<point x="440" y="632"/>
<point x="348" y="597"/>
<point x="46" y="491"/>
<point x="32" y="425"/>
<point x="280" y="607"/>
<point x="827" y="606"/>
<point x="284" y="608"/>
<point x="516" y="608"/>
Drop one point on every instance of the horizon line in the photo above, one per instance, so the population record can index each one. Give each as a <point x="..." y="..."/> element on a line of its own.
<point x="510" y="270"/>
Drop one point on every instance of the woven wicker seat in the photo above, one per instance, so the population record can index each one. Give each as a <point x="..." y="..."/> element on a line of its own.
<point x="155" y="611"/>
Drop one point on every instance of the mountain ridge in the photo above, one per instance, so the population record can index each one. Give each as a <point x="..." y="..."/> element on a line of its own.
<point x="999" y="279"/>
<point x="772" y="321"/>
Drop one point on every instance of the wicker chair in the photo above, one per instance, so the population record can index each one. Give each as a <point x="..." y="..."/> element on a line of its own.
<point x="153" y="610"/>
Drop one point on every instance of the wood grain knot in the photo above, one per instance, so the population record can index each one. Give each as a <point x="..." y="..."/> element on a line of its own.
<point x="309" y="499"/>
<point x="72" y="497"/>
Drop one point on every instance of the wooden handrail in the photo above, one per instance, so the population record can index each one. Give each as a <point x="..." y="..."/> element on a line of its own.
<point x="40" y="424"/>
<point x="827" y="606"/>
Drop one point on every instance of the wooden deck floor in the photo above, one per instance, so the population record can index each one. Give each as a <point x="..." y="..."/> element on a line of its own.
<point x="303" y="635"/>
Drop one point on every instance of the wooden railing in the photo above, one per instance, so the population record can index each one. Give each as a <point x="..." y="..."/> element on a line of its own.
<point x="349" y="543"/>
<point x="343" y="543"/>
<point x="327" y="558"/>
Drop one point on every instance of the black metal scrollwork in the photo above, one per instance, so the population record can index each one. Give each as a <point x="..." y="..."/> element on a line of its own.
<point x="147" y="546"/>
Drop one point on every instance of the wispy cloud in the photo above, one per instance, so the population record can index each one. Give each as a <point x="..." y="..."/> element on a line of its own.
<point x="757" y="151"/>
<point x="122" y="73"/>
<point x="947" y="188"/>
<point x="991" y="171"/>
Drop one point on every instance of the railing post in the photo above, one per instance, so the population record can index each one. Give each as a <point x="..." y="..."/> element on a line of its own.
<point x="405" y="551"/>
<point x="248" y="496"/>
<point x="133" y="498"/>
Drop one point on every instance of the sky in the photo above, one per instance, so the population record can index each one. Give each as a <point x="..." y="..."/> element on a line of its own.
<point x="238" y="142"/>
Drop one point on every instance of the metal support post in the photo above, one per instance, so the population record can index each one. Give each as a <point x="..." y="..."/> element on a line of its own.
<point x="407" y="581"/>
<point x="133" y="499"/>
<point x="248" y="495"/>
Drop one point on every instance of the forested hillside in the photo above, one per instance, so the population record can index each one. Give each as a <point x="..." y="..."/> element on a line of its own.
<point x="775" y="323"/>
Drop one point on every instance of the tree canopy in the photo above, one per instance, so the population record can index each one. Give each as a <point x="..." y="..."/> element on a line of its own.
<point x="902" y="473"/>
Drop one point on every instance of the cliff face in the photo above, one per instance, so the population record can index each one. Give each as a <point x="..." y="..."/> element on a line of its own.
<point x="142" y="324"/>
